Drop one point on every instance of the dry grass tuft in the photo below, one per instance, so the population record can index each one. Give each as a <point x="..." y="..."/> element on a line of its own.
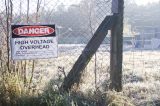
<point x="118" y="99"/>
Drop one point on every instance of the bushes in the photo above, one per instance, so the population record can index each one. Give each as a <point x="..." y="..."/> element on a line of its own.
<point x="118" y="99"/>
<point x="14" y="92"/>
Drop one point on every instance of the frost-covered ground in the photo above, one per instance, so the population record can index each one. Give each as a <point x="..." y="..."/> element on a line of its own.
<point x="141" y="76"/>
<point x="141" y="71"/>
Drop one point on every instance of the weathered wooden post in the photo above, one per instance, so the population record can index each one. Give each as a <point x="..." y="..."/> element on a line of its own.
<point x="75" y="73"/>
<point x="116" y="46"/>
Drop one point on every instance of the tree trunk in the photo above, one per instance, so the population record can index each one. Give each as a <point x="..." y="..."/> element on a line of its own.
<point x="75" y="73"/>
<point x="117" y="49"/>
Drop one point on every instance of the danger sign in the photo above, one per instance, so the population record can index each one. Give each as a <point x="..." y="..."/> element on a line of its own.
<point x="33" y="31"/>
<point x="33" y="42"/>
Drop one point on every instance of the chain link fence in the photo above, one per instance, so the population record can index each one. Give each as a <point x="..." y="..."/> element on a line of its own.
<point x="141" y="53"/>
<point x="76" y="23"/>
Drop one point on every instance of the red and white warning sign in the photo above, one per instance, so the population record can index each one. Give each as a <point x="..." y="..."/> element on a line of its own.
<point x="33" y="42"/>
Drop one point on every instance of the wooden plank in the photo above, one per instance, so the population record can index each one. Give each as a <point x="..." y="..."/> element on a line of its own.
<point x="75" y="73"/>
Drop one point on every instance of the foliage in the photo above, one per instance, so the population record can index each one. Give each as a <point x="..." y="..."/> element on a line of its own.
<point x="142" y="15"/>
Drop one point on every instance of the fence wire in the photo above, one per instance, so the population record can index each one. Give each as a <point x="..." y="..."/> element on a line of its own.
<point x="141" y="52"/>
<point x="76" y="22"/>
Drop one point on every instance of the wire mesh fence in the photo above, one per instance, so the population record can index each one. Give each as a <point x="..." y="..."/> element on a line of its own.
<point x="75" y="23"/>
<point x="141" y="58"/>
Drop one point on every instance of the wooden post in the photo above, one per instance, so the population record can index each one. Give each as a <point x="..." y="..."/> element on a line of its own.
<point x="75" y="74"/>
<point x="117" y="49"/>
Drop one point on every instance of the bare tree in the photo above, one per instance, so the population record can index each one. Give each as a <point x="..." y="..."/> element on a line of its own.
<point x="37" y="9"/>
<point x="8" y="10"/>
<point x="27" y="11"/>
